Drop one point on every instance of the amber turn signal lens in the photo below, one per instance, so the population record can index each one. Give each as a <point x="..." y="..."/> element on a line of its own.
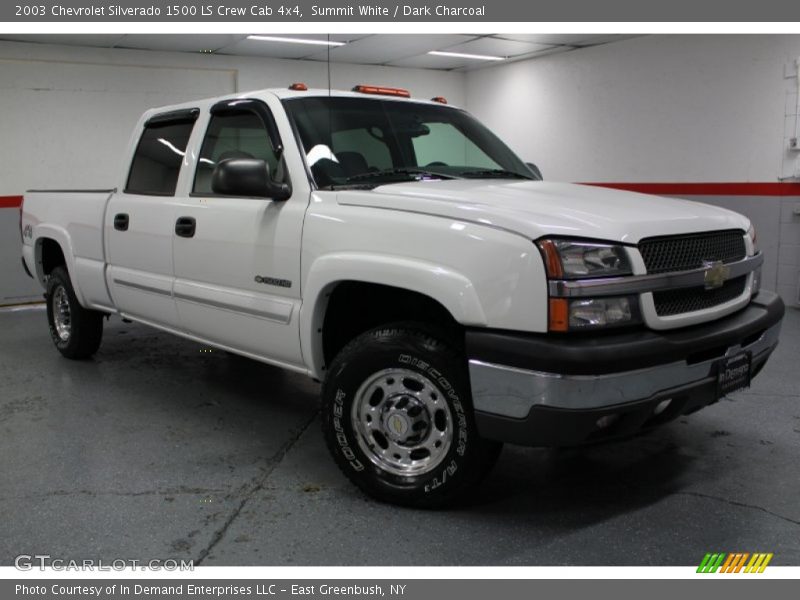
<point x="552" y="260"/>
<point x="559" y="314"/>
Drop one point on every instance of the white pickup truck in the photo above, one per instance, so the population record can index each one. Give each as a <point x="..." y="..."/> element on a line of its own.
<point x="396" y="250"/>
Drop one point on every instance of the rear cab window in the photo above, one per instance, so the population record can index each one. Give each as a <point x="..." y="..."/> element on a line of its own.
<point x="159" y="154"/>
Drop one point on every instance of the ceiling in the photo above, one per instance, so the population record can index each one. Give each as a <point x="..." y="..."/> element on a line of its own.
<point x="399" y="50"/>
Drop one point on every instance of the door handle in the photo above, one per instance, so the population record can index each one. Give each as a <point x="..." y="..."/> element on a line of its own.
<point x="185" y="226"/>
<point x="121" y="221"/>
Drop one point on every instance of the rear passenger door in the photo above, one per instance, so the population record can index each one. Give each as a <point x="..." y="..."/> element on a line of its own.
<point x="140" y="221"/>
<point x="237" y="277"/>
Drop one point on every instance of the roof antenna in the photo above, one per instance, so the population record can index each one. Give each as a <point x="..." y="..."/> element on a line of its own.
<point x="330" y="116"/>
<point x="329" y="65"/>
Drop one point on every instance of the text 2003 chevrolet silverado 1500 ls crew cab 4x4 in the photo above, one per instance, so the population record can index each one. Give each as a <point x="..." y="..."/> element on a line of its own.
<point x="396" y="250"/>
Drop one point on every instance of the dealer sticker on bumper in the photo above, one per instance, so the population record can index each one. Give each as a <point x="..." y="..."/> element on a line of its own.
<point x="733" y="373"/>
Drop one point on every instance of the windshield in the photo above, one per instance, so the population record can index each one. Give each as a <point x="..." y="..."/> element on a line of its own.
<point x="366" y="142"/>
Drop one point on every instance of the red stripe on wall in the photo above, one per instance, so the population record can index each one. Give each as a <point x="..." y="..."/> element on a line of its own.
<point x="10" y="201"/>
<point x="662" y="189"/>
<point x="708" y="189"/>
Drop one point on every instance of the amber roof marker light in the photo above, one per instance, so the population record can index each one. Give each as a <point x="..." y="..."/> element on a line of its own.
<point x="439" y="99"/>
<point x="382" y="91"/>
<point x="298" y="87"/>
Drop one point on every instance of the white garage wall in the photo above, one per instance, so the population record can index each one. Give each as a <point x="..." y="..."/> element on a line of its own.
<point x="653" y="108"/>
<point x="70" y="122"/>
<point x="67" y="113"/>
<point x="673" y="109"/>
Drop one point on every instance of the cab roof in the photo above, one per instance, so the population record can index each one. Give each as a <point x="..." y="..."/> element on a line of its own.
<point x="284" y="93"/>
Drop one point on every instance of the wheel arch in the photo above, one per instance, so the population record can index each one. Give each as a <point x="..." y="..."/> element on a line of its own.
<point x="52" y="249"/>
<point x="423" y="290"/>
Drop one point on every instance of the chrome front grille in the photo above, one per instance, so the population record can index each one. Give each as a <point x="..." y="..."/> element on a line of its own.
<point x="684" y="300"/>
<point x="693" y="251"/>
<point x="681" y="253"/>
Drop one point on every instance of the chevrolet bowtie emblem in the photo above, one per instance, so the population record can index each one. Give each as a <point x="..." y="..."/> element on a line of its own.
<point x="716" y="274"/>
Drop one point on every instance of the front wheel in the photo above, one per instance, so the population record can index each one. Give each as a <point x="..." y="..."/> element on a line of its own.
<point x="397" y="417"/>
<point x="76" y="331"/>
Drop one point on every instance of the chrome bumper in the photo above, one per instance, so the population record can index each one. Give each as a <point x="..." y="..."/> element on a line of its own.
<point x="513" y="392"/>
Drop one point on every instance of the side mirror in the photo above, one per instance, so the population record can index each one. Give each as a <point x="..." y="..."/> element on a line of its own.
<point x="535" y="170"/>
<point x="247" y="177"/>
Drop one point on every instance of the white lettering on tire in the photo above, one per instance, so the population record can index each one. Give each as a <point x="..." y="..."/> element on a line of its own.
<point x="341" y="437"/>
<point x="461" y="447"/>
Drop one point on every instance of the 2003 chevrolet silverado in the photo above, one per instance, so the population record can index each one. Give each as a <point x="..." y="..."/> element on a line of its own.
<point x="396" y="250"/>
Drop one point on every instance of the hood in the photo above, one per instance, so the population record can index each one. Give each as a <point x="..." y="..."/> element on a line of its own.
<point x="537" y="208"/>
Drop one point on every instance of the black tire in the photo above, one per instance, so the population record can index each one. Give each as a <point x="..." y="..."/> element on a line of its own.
<point x="85" y="326"/>
<point x="374" y="360"/>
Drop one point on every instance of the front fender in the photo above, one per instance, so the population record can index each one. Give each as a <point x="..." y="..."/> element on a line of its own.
<point x="450" y="288"/>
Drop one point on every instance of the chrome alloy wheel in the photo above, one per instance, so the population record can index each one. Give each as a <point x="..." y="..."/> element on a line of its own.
<point x="402" y="421"/>
<point x="62" y="317"/>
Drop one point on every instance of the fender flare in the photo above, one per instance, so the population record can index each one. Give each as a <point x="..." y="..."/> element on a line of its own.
<point x="450" y="288"/>
<point x="61" y="237"/>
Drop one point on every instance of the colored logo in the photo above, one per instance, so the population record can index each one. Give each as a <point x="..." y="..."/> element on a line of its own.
<point x="398" y="424"/>
<point x="736" y="562"/>
<point x="716" y="274"/>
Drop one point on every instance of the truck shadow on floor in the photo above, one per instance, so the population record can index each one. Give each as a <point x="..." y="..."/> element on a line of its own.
<point x="615" y="476"/>
<point x="212" y="376"/>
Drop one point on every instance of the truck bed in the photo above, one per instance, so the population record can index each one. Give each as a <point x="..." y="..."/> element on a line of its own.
<point x="73" y="218"/>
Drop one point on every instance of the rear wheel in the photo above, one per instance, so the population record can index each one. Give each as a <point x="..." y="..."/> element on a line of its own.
<point x="397" y="417"/>
<point x="76" y="331"/>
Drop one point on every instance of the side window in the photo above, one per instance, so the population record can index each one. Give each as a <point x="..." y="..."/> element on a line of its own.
<point x="446" y="144"/>
<point x="233" y="135"/>
<point x="158" y="157"/>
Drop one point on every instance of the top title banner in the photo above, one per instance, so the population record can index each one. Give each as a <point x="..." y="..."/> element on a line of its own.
<point x="299" y="11"/>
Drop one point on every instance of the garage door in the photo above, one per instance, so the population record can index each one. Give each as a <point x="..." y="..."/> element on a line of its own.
<point x="66" y="125"/>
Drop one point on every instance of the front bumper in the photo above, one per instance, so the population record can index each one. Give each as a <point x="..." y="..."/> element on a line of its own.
<point x="557" y="390"/>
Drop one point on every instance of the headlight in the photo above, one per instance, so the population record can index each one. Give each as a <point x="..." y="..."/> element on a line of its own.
<point x="600" y="312"/>
<point x="573" y="259"/>
<point x="566" y="259"/>
<point x="593" y="313"/>
<point x="751" y="233"/>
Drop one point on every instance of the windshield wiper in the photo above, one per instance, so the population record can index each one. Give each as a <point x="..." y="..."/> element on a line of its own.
<point x="494" y="173"/>
<point x="399" y="171"/>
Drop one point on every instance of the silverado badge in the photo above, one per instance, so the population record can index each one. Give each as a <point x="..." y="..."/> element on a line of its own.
<point x="716" y="273"/>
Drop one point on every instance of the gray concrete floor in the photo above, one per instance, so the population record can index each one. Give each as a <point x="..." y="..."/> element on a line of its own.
<point x="159" y="448"/>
